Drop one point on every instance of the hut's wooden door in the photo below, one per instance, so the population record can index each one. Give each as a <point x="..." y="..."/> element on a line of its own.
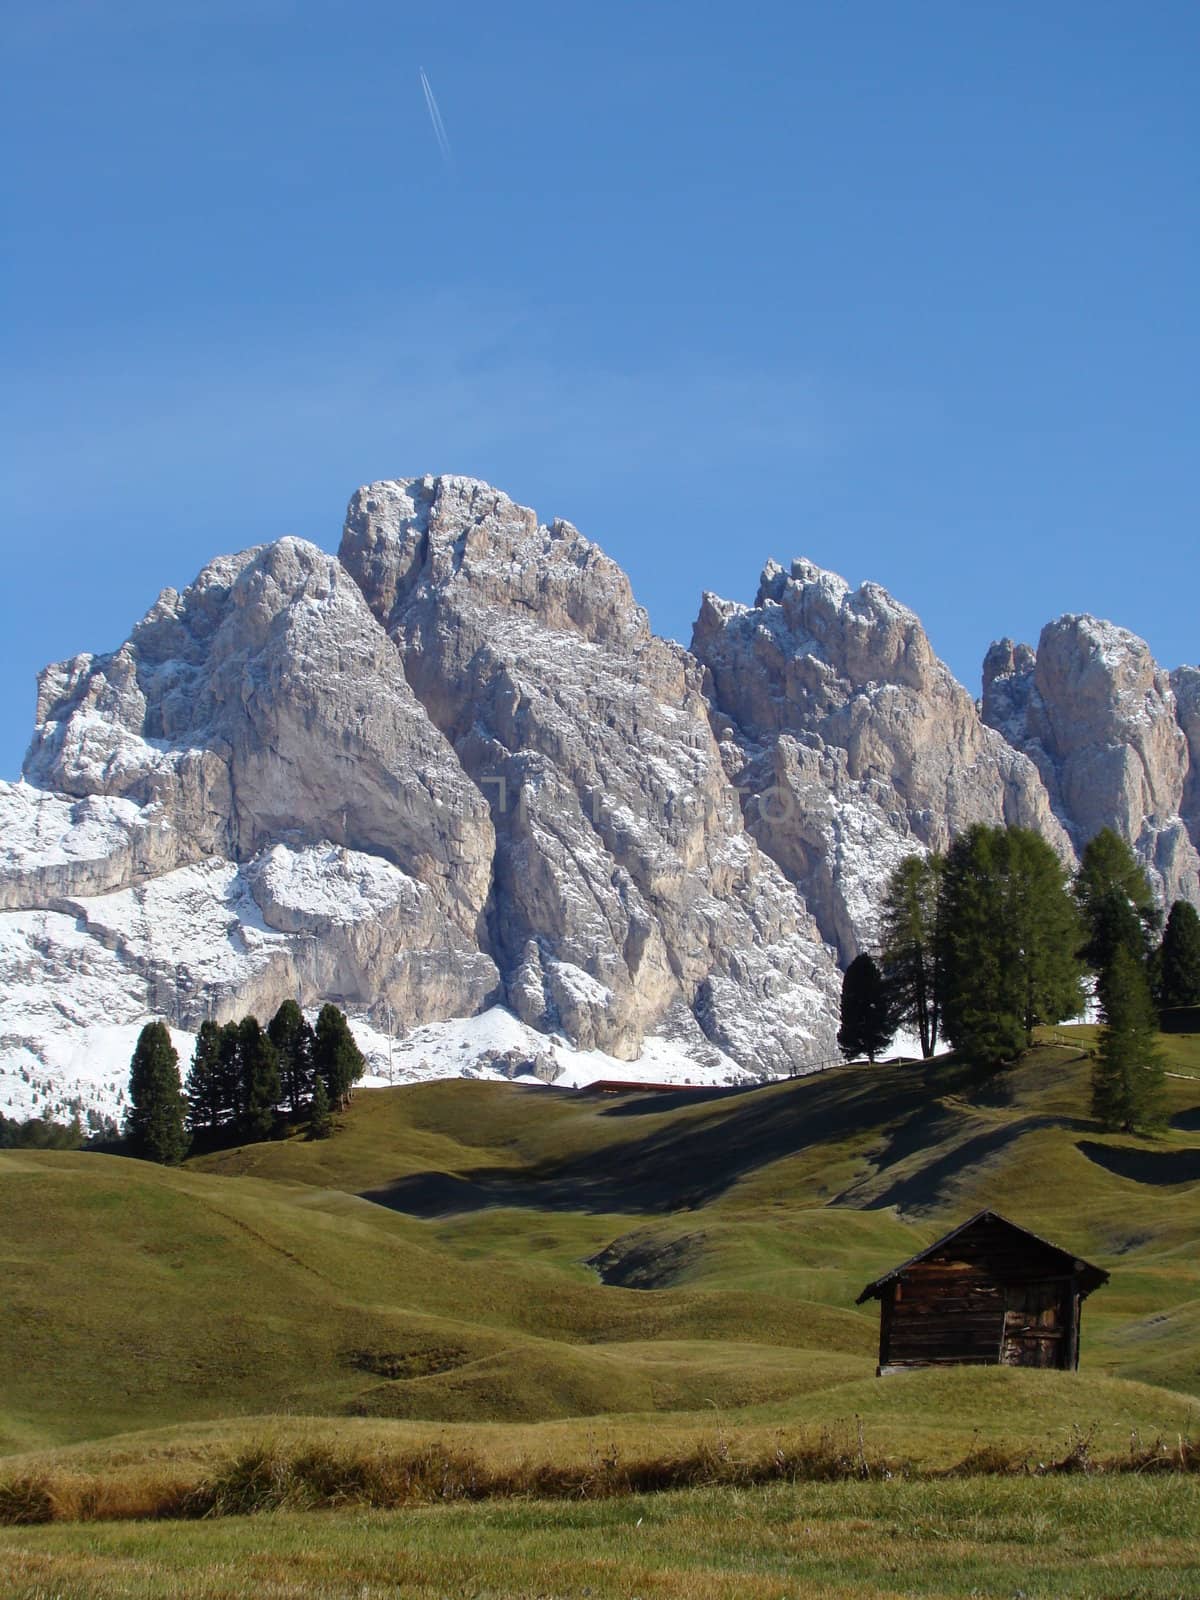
<point x="1034" y="1335"/>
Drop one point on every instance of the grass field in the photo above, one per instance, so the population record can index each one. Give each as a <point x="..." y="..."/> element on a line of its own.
<point x="538" y="1278"/>
<point x="1035" y="1539"/>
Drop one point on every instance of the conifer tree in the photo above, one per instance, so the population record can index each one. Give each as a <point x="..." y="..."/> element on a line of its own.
<point x="260" y="1080"/>
<point x="910" y="946"/>
<point x="1127" y="1080"/>
<point x="293" y="1038"/>
<point x="1008" y="933"/>
<point x="336" y="1057"/>
<point x="205" y="1101"/>
<point x="1115" y="900"/>
<point x="1179" y="958"/>
<point x="1115" y="925"/>
<point x="229" y="1088"/>
<point x="320" y="1120"/>
<point x="154" y="1123"/>
<point x="41" y="1133"/>
<point x="867" y="1023"/>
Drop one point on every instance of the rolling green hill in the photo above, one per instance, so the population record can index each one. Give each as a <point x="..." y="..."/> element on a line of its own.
<point x="525" y="1268"/>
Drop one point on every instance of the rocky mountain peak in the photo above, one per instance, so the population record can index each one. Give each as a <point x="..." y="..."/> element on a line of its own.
<point x="1100" y="720"/>
<point x="858" y="744"/>
<point x="264" y="702"/>
<point x="1007" y="683"/>
<point x="624" y="888"/>
<point x="458" y="536"/>
<point x="815" y="643"/>
<point x="453" y="770"/>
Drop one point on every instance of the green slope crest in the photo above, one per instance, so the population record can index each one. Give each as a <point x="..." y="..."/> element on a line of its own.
<point x="533" y="1269"/>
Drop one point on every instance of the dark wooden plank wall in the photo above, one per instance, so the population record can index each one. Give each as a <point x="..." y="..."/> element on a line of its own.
<point x="943" y="1312"/>
<point x="951" y="1307"/>
<point x="1008" y="1256"/>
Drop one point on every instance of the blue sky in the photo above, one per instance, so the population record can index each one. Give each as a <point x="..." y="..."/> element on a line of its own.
<point x="905" y="287"/>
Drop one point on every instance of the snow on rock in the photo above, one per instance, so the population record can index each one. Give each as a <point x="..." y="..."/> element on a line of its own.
<point x="87" y="1070"/>
<point x="54" y="844"/>
<point x="369" y="932"/>
<point x="584" y="990"/>
<point x="494" y="1043"/>
<point x="197" y="937"/>
<point x="68" y="1024"/>
<point x="78" y="983"/>
<point x="329" y="884"/>
<point x="38" y="829"/>
<point x="265" y="704"/>
<point x="214" y="940"/>
<point x="63" y="1063"/>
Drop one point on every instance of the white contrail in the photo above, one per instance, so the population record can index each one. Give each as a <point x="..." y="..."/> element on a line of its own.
<point x="435" y="117"/>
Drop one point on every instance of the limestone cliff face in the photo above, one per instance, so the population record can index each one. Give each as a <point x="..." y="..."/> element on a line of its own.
<point x="264" y="706"/>
<point x="454" y="769"/>
<point x="852" y="743"/>
<point x="1102" y="723"/>
<point x="626" y="895"/>
<point x="1185" y="685"/>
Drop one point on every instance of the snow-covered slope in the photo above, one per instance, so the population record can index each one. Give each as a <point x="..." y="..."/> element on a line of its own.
<point x="62" y="1069"/>
<point x="496" y="1044"/>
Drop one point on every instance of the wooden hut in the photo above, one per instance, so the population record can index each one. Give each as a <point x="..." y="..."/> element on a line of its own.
<point x="988" y="1293"/>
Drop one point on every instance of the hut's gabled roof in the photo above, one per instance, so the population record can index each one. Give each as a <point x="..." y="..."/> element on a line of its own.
<point x="1050" y="1255"/>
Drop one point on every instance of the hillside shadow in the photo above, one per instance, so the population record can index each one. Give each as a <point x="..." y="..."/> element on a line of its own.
<point x="690" y="1161"/>
<point x="1159" y="1168"/>
<point x="922" y="1190"/>
<point x="433" y="1194"/>
<point x="650" y="1105"/>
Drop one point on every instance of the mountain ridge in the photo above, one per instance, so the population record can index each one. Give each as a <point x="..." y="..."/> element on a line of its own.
<point x="452" y="768"/>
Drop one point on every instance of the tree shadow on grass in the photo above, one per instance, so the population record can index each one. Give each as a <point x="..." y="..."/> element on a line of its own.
<point x="1160" y="1168"/>
<point x="951" y="1150"/>
<point x="688" y="1160"/>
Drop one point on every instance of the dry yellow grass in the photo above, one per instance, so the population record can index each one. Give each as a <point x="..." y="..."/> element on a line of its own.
<point x="1072" y="1538"/>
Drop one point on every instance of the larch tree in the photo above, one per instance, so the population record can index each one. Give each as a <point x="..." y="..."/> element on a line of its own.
<point x="260" y="1079"/>
<point x="1008" y="937"/>
<point x="336" y="1057"/>
<point x="320" y="1119"/>
<point x="1127" y="1080"/>
<point x="1115" y="925"/>
<point x="229" y="1080"/>
<point x="154" y="1122"/>
<point x="205" y="1100"/>
<point x="290" y="1033"/>
<point x="866" y="1016"/>
<point x="1179" y="958"/>
<point x="910" y="946"/>
<point x="1115" y="901"/>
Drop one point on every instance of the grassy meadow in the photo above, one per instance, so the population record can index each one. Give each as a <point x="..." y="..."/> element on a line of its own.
<point x="564" y="1289"/>
<point x="1039" y="1539"/>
